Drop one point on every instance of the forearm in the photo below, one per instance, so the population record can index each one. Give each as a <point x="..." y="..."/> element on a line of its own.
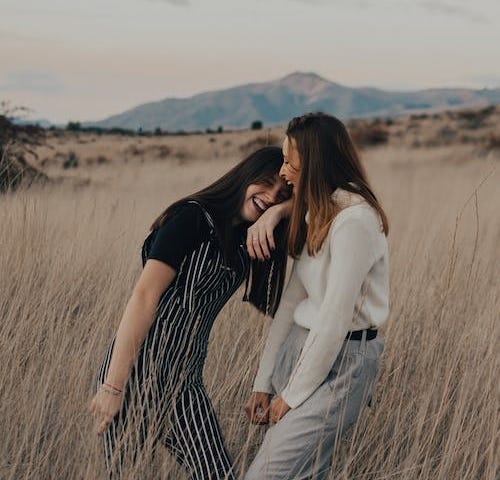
<point x="280" y="327"/>
<point x="135" y="323"/>
<point x="283" y="320"/>
<point x="351" y="258"/>
<point x="284" y="208"/>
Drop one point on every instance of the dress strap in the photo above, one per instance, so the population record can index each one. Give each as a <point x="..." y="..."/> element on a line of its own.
<point x="209" y="218"/>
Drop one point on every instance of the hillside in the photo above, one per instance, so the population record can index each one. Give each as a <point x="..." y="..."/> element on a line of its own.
<point x="277" y="101"/>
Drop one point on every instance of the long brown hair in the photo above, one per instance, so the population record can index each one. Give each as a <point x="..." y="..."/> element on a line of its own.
<point x="223" y="200"/>
<point x="329" y="160"/>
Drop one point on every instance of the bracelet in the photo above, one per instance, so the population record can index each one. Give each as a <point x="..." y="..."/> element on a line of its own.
<point x="113" y="387"/>
<point x="104" y="388"/>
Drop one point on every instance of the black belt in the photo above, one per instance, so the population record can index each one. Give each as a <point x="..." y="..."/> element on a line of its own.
<point x="371" y="333"/>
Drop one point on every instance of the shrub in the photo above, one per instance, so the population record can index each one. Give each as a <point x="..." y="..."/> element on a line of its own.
<point x="365" y="133"/>
<point x="73" y="126"/>
<point x="163" y="151"/>
<point x="256" y="125"/>
<point x="71" y="161"/>
<point x="16" y="147"/>
<point x="493" y="142"/>
<point x="259" y="142"/>
<point x="474" y="119"/>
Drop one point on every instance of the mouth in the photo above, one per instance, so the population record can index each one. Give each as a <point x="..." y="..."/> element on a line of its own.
<point x="260" y="206"/>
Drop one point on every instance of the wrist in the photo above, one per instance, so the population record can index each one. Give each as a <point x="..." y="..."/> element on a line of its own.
<point x="279" y="210"/>
<point x="110" y="391"/>
<point x="113" y="385"/>
<point x="284" y="208"/>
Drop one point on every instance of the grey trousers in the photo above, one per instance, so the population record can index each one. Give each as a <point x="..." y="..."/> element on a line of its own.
<point x="300" y="445"/>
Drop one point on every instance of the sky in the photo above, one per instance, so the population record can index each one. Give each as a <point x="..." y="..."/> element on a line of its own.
<point x="68" y="60"/>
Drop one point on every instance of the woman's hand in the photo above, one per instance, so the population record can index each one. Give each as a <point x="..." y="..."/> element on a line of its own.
<point x="104" y="406"/>
<point x="260" y="235"/>
<point x="257" y="408"/>
<point x="278" y="410"/>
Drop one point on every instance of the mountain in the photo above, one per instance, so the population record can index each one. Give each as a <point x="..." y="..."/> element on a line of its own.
<point x="277" y="101"/>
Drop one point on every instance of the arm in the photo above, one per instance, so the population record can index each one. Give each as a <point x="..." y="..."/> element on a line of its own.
<point x="177" y="236"/>
<point x="351" y="258"/>
<point x="137" y="319"/>
<point x="280" y="326"/>
<point x="263" y="229"/>
<point x="258" y="404"/>
<point x="134" y="325"/>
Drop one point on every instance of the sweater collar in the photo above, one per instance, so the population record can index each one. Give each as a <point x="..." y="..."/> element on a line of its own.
<point x="343" y="199"/>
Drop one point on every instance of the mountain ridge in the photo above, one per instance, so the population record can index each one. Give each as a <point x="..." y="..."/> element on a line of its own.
<point x="276" y="101"/>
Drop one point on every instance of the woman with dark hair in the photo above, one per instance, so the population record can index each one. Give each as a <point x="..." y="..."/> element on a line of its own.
<point x="150" y="386"/>
<point x="321" y="355"/>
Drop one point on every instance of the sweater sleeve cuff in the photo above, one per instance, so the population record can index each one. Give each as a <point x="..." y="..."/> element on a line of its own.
<point x="262" y="385"/>
<point x="293" y="399"/>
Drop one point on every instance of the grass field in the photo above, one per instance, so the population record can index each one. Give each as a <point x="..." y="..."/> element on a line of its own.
<point x="70" y="254"/>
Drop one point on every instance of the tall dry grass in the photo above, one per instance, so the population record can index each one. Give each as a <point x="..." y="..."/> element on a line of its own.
<point x="69" y="257"/>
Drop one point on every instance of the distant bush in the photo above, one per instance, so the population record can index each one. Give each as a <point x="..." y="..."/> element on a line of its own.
<point x="16" y="150"/>
<point x="121" y="131"/>
<point x="474" y="119"/>
<point x="163" y="151"/>
<point x="446" y="135"/>
<point x="366" y="133"/>
<point x="71" y="161"/>
<point x="419" y="116"/>
<point x="493" y="142"/>
<point x="259" y="142"/>
<point x="73" y="126"/>
<point x="256" y="125"/>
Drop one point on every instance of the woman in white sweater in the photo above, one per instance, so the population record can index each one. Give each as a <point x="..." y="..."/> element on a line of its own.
<point x="322" y="352"/>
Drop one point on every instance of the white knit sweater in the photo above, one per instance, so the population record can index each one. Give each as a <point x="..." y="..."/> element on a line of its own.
<point x="344" y="287"/>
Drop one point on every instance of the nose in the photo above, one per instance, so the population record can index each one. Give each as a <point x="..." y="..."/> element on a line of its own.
<point x="272" y="195"/>
<point x="282" y="171"/>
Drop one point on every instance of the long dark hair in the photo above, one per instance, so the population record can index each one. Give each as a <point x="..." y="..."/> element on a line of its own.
<point x="223" y="199"/>
<point x="329" y="160"/>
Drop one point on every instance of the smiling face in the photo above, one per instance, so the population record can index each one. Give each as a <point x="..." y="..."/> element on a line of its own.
<point x="290" y="171"/>
<point x="260" y="196"/>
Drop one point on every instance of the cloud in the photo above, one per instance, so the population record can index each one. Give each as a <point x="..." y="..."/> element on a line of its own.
<point x="30" y="81"/>
<point x="447" y="8"/>
<point x="180" y="3"/>
<point x="444" y="7"/>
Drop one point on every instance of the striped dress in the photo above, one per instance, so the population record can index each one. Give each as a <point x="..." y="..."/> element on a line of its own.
<point x="164" y="399"/>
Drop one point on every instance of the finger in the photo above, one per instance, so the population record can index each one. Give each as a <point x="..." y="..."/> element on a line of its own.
<point x="263" y="244"/>
<point x="249" y="412"/>
<point x="105" y="421"/>
<point x="257" y="249"/>
<point x="270" y="239"/>
<point x="102" y="427"/>
<point x="262" y="416"/>
<point x="250" y="249"/>
<point x="254" y="407"/>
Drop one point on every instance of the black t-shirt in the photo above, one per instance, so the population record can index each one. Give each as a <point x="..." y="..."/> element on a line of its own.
<point x="180" y="234"/>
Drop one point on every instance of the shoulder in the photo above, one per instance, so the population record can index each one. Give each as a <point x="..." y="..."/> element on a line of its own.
<point x="355" y="210"/>
<point x="359" y="224"/>
<point x="189" y="216"/>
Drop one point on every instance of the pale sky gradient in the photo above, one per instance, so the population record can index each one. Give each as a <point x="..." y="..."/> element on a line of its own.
<point x="86" y="60"/>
